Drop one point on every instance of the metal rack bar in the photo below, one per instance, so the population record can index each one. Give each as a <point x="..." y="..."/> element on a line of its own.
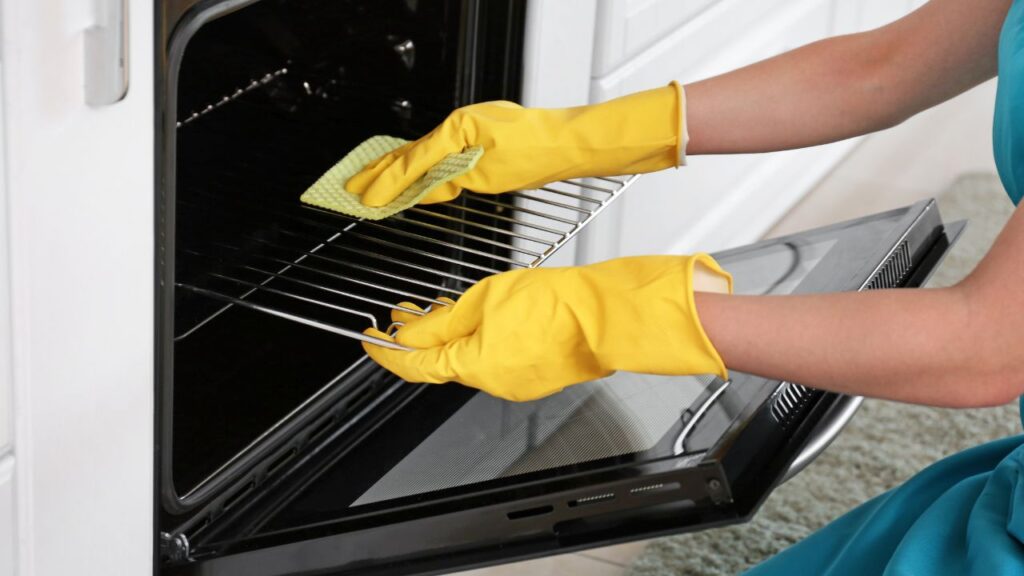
<point x="606" y="179"/>
<point x="353" y="265"/>
<point x="570" y="195"/>
<point x="293" y="317"/>
<point x="500" y="218"/>
<point x="494" y="229"/>
<point x="435" y="227"/>
<point x="383" y="258"/>
<point x="433" y="256"/>
<point x="419" y="252"/>
<point x="522" y="210"/>
<point x="561" y="205"/>
<point x="405" y="293"/>
<point x="597" y="188"/>
<point x="447" y="244"/>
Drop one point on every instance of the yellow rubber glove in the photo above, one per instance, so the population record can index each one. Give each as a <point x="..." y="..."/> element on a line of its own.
<point x="530" y="147"/>
<point x="525" y="334"/>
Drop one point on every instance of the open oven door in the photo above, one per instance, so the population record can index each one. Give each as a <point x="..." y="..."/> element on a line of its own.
<point x="435" y="479"/>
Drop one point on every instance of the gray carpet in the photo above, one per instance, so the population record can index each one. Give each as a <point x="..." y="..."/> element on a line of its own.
<point x="885" y="444"/>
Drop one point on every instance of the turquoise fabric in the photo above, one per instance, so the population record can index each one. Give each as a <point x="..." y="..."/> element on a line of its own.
<point x="963" y="515"/>
<point x="1008" y="128"/>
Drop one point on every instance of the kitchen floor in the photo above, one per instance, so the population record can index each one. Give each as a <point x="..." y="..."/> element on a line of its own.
<point x="915" y="160"/>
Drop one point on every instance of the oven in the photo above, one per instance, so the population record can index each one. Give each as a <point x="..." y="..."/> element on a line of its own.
<point x="281" y="449"/>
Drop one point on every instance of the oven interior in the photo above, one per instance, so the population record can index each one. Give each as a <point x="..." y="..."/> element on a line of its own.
<point x="266" y="97"/>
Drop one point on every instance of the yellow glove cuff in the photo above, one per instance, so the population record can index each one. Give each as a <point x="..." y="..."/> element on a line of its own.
<point x="706" y="275"/>
<point x="684" y="134"/>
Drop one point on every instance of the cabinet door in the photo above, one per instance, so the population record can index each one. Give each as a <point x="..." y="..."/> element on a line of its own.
<point x="80" y="209"/>
<point x="6" y="515"/>
<point x="626" y="27"/>
<point x="5" y="297"/>
<point x="722" y="201"/>
<point x="867" y="14"/>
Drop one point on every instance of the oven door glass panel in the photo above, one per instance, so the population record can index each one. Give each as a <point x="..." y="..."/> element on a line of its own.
<point x="450" y="445"/>
<point x="638" y="416"/>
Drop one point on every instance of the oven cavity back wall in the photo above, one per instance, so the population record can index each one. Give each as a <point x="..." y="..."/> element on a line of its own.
<point x="258" y="99"/>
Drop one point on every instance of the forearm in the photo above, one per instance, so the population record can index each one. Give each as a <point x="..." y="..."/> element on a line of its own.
<point x="919" y="346"/>
<point x="820" y="93"/>
<point x="848" y="85"/>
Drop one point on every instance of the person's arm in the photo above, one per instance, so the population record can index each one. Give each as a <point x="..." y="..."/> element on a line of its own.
<point x="959" y="347"/>
<point x="848" y="85"/>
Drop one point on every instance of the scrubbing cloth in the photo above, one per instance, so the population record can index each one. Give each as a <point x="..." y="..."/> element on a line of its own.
<point x="329" y="191"/>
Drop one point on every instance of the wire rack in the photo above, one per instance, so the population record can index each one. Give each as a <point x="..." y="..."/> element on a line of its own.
<point x="343" y="274"/>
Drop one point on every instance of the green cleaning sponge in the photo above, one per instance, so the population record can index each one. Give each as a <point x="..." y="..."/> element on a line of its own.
<point x="329" y="191"/>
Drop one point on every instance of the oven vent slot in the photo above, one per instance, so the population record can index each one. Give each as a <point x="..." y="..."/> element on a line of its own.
<point x="342" y="274"/>
<point x="790" y="402"/>
<point x="656" y="488"/>
<point x="595" y="499"/>
<point x="895" y="269"/>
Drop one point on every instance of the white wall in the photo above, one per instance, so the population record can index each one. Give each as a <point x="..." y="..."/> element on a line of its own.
<point x="5" y="319"/>
<point x="7" y="523"/>
<point x="917" y="159"/>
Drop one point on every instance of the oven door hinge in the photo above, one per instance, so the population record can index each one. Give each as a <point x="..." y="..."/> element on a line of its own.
<point x="174" y="548"/>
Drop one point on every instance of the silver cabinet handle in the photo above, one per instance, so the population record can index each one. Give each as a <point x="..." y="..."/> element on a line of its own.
<point x="106" y="54"/>
<point x="827" y="429"/>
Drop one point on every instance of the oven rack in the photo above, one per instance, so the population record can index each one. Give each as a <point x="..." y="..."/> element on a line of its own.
<point x="346" y="274"/>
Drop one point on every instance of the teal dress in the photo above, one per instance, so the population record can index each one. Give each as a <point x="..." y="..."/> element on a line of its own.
<point x="965" y="513"/>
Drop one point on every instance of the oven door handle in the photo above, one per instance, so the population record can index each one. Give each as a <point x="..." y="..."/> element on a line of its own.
<point x="827" y="429"/>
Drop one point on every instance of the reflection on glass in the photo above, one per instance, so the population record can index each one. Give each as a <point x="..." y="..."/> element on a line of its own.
<point x="625" y="413"/>
<point x="490" y="438"/>
<point x="778" y="268"/>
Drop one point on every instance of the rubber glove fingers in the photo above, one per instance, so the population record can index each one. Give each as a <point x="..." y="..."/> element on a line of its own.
<point x="436" y="328"/>
<point x="443" y="193"/>
<point x="430" y="366"/>
<point x="360" y="182"/>
<point x="525" y="334"/>
<point x="407" y="167"/>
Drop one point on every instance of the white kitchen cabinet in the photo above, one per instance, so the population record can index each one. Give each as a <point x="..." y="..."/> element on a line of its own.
<point x="5" y="317"/>
<point x="79" y="185"/>
<point x="856" y="15"/>
<point x="625" y="27"/>
<point x="7" y="552"/>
